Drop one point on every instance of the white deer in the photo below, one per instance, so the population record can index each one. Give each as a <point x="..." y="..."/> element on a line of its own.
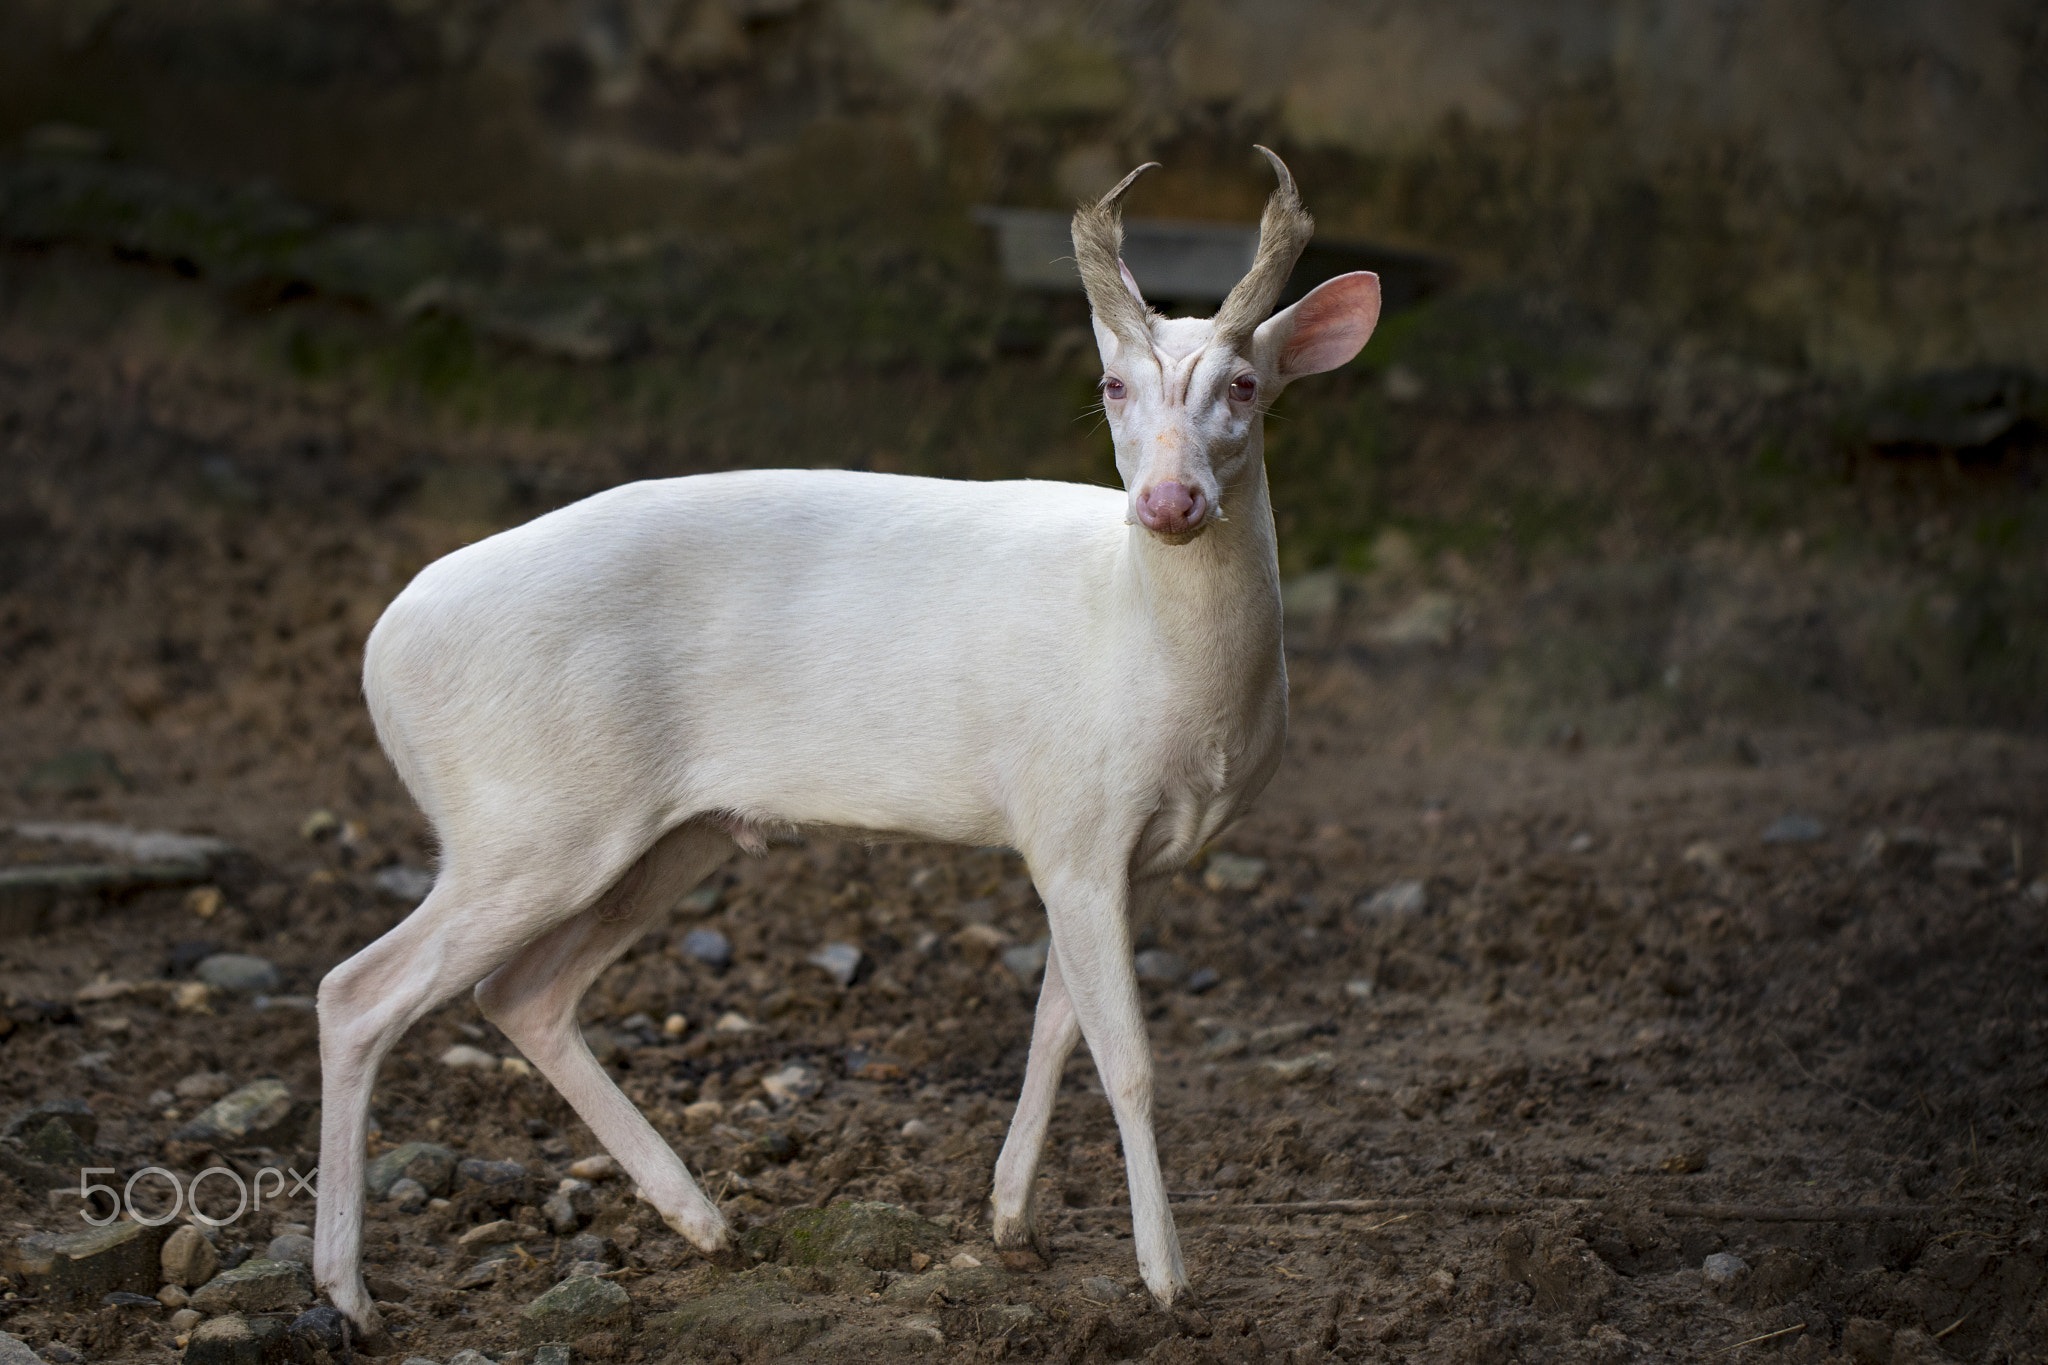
<point x="596" y="708"/>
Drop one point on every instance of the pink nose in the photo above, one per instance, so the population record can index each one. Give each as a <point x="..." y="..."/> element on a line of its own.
<point x="1171" y="509"/>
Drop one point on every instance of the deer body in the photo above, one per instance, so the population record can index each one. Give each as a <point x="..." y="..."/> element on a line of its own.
<point x="598" y="708"/>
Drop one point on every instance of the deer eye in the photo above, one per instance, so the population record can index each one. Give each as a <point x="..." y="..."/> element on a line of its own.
<point x="1243" y="387"/>
<point x="1112" y="387"/>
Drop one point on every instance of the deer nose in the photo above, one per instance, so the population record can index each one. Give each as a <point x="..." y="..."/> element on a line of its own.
<point x="1171" y="509"/>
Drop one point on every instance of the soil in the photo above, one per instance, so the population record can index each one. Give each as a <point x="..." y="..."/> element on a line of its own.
<point x="1622" y="1033"/>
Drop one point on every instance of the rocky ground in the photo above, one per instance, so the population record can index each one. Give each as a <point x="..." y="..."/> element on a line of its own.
<point x="1655" y="1051"/>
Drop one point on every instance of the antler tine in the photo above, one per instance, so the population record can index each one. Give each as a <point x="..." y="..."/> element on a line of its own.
<point x="1284" y="229"/>
<point x="1098" y="247"/>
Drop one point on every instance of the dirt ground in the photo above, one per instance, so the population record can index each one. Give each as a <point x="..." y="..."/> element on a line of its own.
<point x="1612" y="1031"/>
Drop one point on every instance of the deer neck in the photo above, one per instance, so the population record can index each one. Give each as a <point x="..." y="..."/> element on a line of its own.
<point x="1215" y="600"/>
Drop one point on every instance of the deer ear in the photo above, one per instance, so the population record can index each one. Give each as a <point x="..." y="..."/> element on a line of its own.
<point x="1130" y="282"/>
<point x="1324" y="330"/>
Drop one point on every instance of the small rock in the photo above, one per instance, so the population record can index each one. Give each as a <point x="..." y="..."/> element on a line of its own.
<point x="1026" y="961"/>
<point x="732" y="1021"/>
<point x="552" y="1352"/>
<point x="1012" y="1317"/>
<point x="1723" y="1269"/>
<point x="877" y="1235"/>
<point x="291" y="1247"/>
<point x="1794" y="829"/>
<point x="74" y="1114"/>
<point x="1397" y="900"/>
<point x="1581" y="842"/>
<point x="1225" y="1042"/>
<point x="1102" y="1289"/>
<point x="257" y="1286"/>
<point x="254" y="1116"/>
<point x="777" y="1146"/>
<point x="463" y="1057"/>
<point x="962" y="1260"/>
<point x="470" y="1357"/>
<point x="675" y="1026"/>
<point x="240" y="973"/>
<point x="83" y="1267"/>
<point x="2037" y="892"/>
<point x="593" y="1168"/>
<point x="917" y="1130"/>
<point x="792" y="1085"/>
<point x="402" y="883"/>
<point x="1705" y="856"/>
<point x="845" y="963"/>
<point x="980" y="944"/>
<point x="588" y="1248"/>
<point x="173" y="1297"/>
<point x="1683" y="1163"/>
<point x="187" y="1258"/>
<point x="496" y="1233"/>
<point x="1359" y="988"/>
<point x="498" y="1181"/>
<point x="408" y="1194"/>
<point x="429" y="1164"/>
<point x="569" y="1208"/>
<point x="185" y="1319"/>
<point x="1273" y="1037"/>
<point x="1232" y="872"/>
<point x="323" y="1328"/>
<point x="1204" y="980"/>
<point x="1159" y="965"/>
<point x="575" y="1307"/>
<point x="232" y="1339"/>
<point x="709" y="947"/>
<point x="318" y="825"/>
<point x="204" y="1086"/>
<point x="1297" y="1070"/>
<point x="701" y="1116"/>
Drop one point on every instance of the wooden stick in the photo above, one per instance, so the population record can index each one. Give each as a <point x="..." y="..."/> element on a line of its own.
<point x="1768" y="1336"/>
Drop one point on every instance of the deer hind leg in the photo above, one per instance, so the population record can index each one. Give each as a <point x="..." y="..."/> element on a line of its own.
<point x="533" y="998"/>
<point x="1053" y="1034"/>
<point x="460" y="932"/>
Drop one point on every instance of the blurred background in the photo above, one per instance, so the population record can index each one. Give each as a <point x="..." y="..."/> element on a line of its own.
<point x="1709" y="410"/>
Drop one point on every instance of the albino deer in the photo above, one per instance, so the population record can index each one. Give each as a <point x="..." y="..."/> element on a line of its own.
<point x="594" y="709"/>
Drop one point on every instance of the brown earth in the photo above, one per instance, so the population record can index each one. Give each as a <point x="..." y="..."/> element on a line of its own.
<point x="1623" y="1032"/>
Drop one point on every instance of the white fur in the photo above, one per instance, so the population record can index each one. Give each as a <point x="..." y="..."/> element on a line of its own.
<point x="593" y="707"/>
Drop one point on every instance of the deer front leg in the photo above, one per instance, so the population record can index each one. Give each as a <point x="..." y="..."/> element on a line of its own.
<point x="1053" y="1035"/>
<point x="1091" y="938"/>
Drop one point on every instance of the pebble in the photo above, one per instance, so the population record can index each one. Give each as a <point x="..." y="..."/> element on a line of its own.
<point x="232" y="1339"/>
<point x="258" y="1286"/>
<point x="964" y="1261"/>
<point x="792" y="1085"/>
<point x="319" y="824"/>
<point x="575" y="1307"/>
<point x="408" y="1194"/>
<point x="290" y="1247"/>
<point x="1359" y="988"/>
<point x="1204" y="980"/>
<point x="1296" y="1070"/>
<point x="1232" y="872"/>
<point x="1396" y="900"/>
<point x="588" y="1248"/>
<point x="917" y="1130"/>
<point x="470" y="1357"/>
<point x="675" y="1026"/>
<point x="843" y="962"/>
<point x="498" y="1179"/>
<point x="1102" y="1289"/>
<point x="703" y="900"/>
<point x="1722" y="1268"/>
<point x="709" y="947"/>
<point x="2037" y="892"/>
<point x="1157" y="964"/>
<point x="247" y="1117"/>
<point x="172" y="1296"/>
<point x="569" y="1208"/>
<point x="1794" y="829"/>
<point x="732" y="1021"/>
<point x="205" y="1086"/>
<point x="551" y="1353"/>
<point x="599" y="1167"/>
<point x="463" y="1057"/>
<point x="701" y="1116"/>
<point x="428" y="1163"/>
<point x="1027" y="961"/>
<point x="402" y="883"/>
<point x="323" y="1328"/>
<point x="500" y="1231"/>
<point x="187" y="1258"/>
<point x="240" y="972"/>
<point x="185" y="1319"/>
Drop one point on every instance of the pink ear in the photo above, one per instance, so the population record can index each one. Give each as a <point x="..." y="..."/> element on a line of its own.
<point x="1331" y="325"/>
<point x="1130" y="282"/>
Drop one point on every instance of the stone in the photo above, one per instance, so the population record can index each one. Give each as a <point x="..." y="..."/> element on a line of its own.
<point x="84" y="1267"/>
<point x="700" y="1117"/>
<point x="574" y="1307"/>
<point x="1359" y="988"/>
<point x="1794" y="829"/>
<point x="1204" y="980"/>
<point x="1233" y="872"/>
<point x="792" y="1085"/>
<point x="257" y="1115"/>
<point x="602" y="1166"/>
<point x="980" y="944"/>
<point x="292" y="1246"/>
<point x="675" y="1026"/>
<point x="1101" y="1289"/>
<point x="1313" y="1066"/>
<point x="232" y="1339"/>
<point x="204" y="1086"/>
<point x="551" y="1353"/>
<point x="185" y="1319"/>
<point x="917" y="1130"/>
<point x="463" y="1057"/>
<point x="408" y="1194"/>
<point x="732" y="1021"/>
<point x="497" y="1232"/>
<point x="241" y="973"/>
<point x="1027" y="961"/>
<point x="1722" y="1269"/>
<point x="501" y="1181"/>
<point x="588" y="1248"/>
<point x="845" y="963"/>
<point x="402" y="883"/>
<point x="429" y="1163"/>
<point x="74" y="1114"/>
<point x="963" y="1260"/>
<point x="319" y="825"/>
<point x="1397" y="900"/>
<point x="482" y="1273"/>
<point x="567" y="1210"/>
<point x="256" y="1286"/>
<point x="709" y="947"/>
<point x="756" y="1315"/>
<point x="173" y="1297"/>
<point x="323" y="1328"/>
<point x="877" y="1235"/>
<point x="703" y="900"/>
<point x="470" y="1357"/>
<point x="187" y="1258"/>
<point x="1159" y="965"/>
<point x="951" y="1284"/>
